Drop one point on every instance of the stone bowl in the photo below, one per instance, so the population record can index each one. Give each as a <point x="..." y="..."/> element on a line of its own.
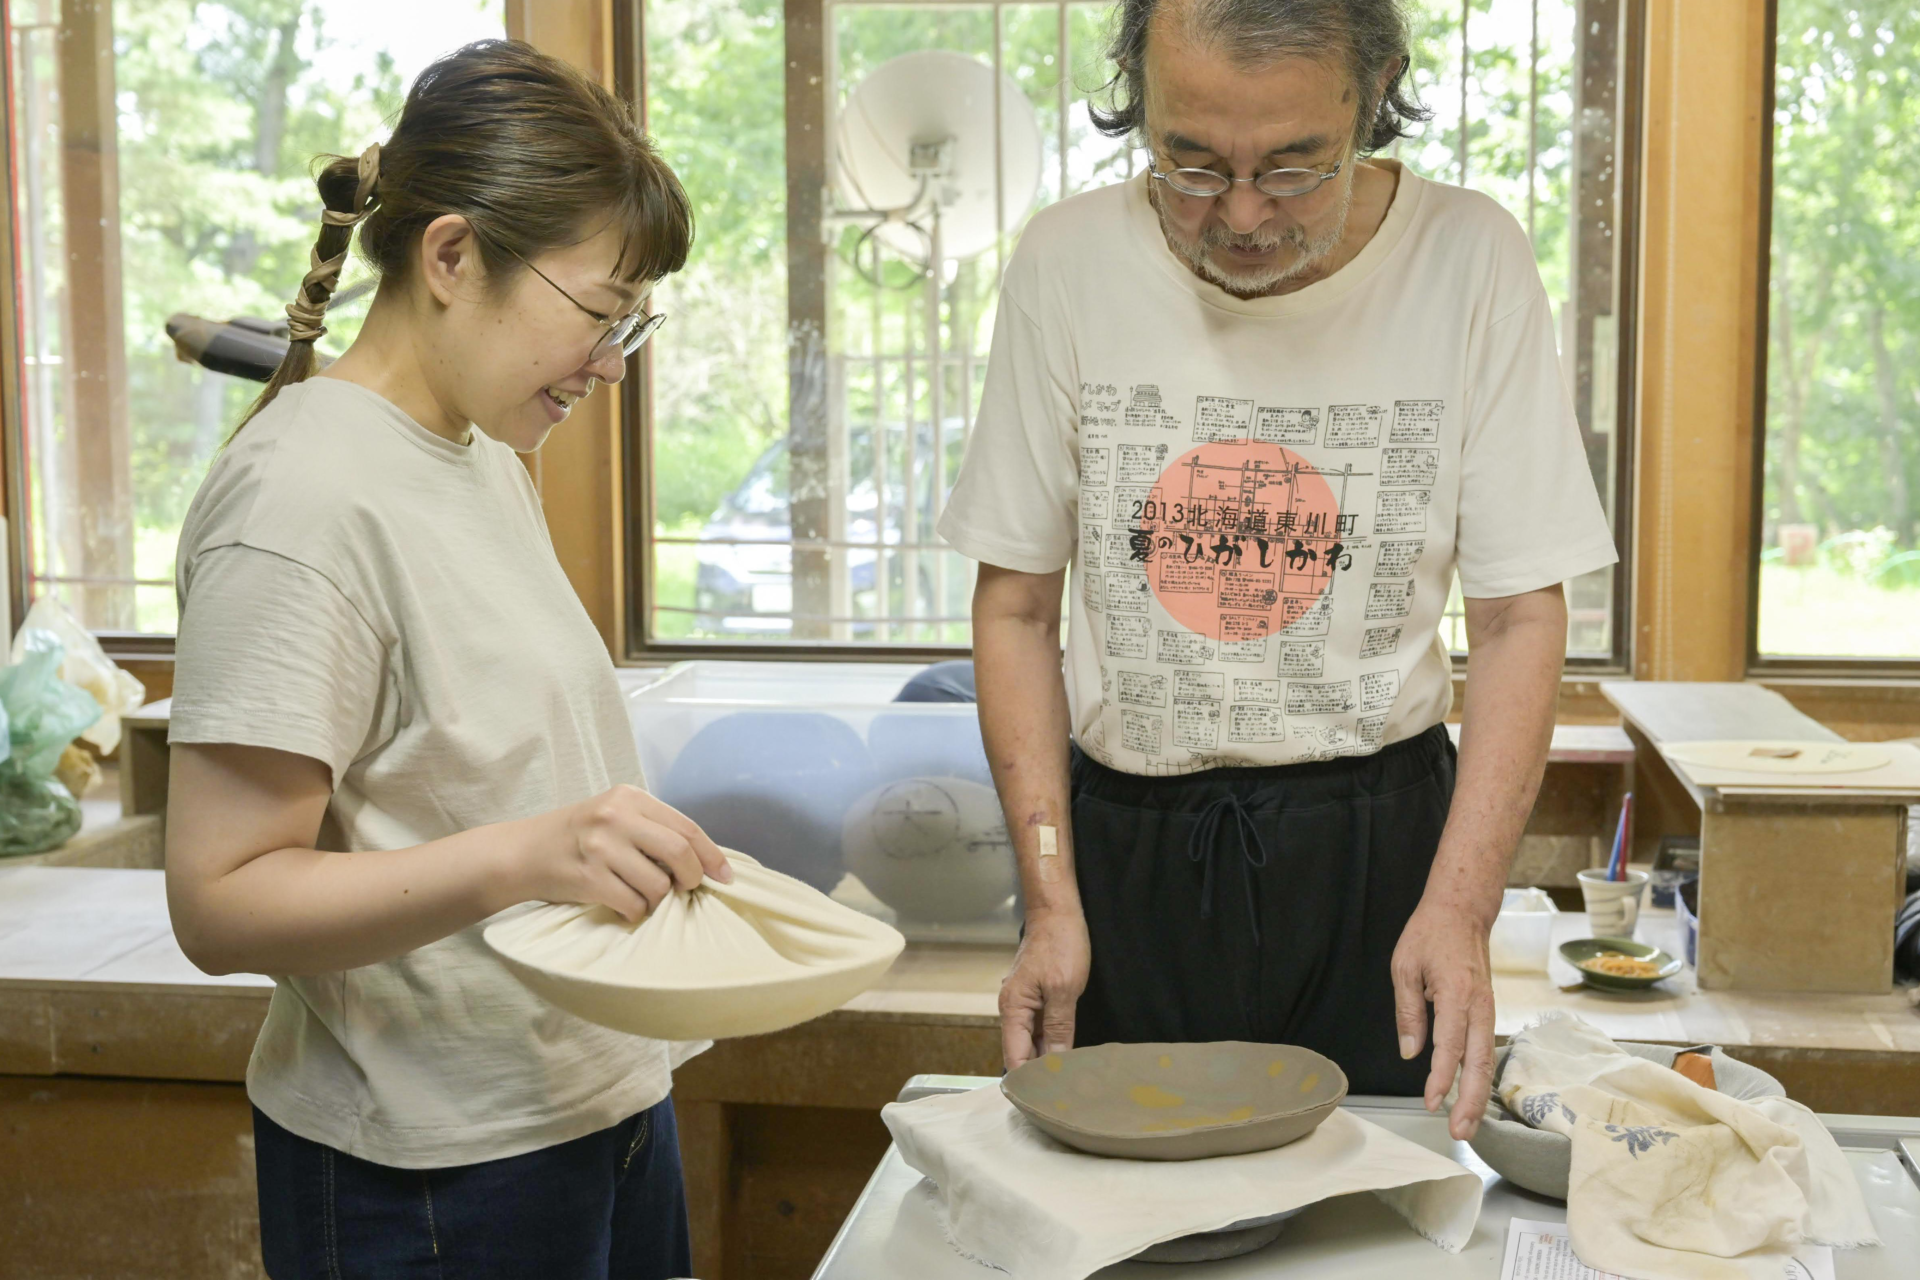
<point x="1541" y="1161"/>
<point x="1177" y="1101"/>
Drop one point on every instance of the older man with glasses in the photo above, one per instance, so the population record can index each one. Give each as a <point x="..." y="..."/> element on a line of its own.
<point x="1267" y="400"/>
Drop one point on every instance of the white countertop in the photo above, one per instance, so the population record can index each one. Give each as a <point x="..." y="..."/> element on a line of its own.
<point x="89" y="925"/>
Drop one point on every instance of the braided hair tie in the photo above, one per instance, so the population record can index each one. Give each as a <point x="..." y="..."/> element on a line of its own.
<point x="305" y="315"/>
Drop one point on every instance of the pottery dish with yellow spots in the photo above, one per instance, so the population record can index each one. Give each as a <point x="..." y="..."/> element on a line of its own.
<point x="1177" y="1101"/>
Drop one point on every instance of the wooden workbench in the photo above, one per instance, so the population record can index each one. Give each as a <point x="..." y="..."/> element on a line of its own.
<point x="92" y="983"/>
<point x="120" y="1071"/>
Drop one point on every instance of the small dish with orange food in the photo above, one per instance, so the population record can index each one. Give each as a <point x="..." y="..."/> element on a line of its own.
<point x="1619" y="964"/>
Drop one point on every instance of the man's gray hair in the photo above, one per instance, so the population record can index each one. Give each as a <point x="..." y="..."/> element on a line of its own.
<point x="1369" y="36"/>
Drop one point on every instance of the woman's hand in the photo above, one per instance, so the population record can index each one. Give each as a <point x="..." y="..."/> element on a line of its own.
<point x="1039" y="994"/>
<point x="623" y="849"/>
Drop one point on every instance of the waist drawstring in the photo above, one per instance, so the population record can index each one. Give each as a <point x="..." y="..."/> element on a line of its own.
<point x="1205" y="841"/>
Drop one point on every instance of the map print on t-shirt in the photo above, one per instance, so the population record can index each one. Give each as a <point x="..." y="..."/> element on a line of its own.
<point x="1217" y="548"/>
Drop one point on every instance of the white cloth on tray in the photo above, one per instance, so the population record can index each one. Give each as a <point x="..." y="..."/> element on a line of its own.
<point x="1670" y="1179"/>
<point x="1015" y="1198"/>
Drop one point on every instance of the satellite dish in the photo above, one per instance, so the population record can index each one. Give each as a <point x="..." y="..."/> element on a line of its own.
<point x="915" y="139"/>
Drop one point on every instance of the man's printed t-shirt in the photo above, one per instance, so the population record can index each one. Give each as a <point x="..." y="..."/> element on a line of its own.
<point x="1264" y="501"/>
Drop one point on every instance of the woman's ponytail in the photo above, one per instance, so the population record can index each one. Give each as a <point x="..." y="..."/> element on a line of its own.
<point x="348" y="193"/>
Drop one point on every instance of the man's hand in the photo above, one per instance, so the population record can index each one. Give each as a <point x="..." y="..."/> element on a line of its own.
<point x="1038" y="995"/>
<point x="1023" y="720"/>
<point x="1518" y="645"/>
<point x="1442" y="958"/>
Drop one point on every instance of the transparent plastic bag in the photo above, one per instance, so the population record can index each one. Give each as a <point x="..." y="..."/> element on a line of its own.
<point x="86" y="666"/>
<point x="40" y="714"/>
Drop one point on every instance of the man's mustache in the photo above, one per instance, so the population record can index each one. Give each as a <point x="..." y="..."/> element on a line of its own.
<point x="1221" y="238"/>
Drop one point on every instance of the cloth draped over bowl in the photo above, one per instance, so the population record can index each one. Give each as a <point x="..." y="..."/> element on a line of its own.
<point x="747" y="958"/>
<point x="1013" y="1197"/>
<point x="1673" y="1180"/>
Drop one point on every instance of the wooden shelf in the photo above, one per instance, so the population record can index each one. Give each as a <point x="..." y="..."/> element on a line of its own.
<point x="1798" y="884"/>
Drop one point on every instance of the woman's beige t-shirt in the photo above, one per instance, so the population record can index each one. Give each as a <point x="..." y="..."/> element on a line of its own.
<point x="357" y="589"/>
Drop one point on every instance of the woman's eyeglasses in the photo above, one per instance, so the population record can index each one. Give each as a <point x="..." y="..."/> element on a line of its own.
<point x="628" y="332"/>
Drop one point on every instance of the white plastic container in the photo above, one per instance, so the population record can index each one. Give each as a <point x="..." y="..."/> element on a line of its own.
<point x="814" y="770"/>
<point x="1522" y="937"/>
<point x="779" y="683"/>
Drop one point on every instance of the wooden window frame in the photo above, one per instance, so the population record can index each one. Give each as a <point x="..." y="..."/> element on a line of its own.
<point x="1759" y="664"/>
<point x="579" y="467"/>
<point x="805" y="84"/>
<point x="13" y="475"/>
<point x="806" y="88"/>
<point x="1694" y="99"/>
<point x="1629" y="106"/>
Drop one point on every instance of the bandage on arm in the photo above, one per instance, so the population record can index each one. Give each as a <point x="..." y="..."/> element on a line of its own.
<point x="1049" y="855"/>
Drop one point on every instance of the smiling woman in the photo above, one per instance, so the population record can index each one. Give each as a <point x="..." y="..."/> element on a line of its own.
<point x="392" y="718"/>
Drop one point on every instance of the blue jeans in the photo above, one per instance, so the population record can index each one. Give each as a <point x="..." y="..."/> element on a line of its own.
<point x="609" y="1206"/>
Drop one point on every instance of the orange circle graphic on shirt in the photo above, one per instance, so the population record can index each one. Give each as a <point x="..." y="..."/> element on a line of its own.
<point x="1241" y="539"/>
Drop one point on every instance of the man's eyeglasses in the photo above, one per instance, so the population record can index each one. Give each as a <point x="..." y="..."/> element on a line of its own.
<point x="628" y="332"/>
<point x="1274" y="182"/>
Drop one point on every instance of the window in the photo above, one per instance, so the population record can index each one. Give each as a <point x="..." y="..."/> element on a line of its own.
<point x="1508" y="81"/>
<point x="806" y="357"/>
<point x="161" y="153"/>
<point x="807" y="405"/>
<point x="200" y="205"/>
<point x="1838" y="563"/>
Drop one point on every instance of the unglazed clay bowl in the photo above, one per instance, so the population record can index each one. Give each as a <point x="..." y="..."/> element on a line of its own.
<point x="1177" y="1101"/>
<point x="1541" y="1161"/>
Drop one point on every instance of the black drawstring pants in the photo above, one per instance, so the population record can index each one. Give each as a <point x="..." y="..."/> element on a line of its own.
<point x="1259" y="904"/>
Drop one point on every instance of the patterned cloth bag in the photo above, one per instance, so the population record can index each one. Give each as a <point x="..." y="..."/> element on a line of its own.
<point x="1670" y="1179"/>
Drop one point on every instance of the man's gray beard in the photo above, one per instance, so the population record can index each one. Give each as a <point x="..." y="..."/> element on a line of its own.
<point x="1308" y="251"/>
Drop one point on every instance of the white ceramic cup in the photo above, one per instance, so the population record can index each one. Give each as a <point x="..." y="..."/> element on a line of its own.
<point x="1613" y="906"/>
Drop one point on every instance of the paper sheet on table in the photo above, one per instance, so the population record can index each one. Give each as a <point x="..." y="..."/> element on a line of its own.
<point x="1544" y="1251"/>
